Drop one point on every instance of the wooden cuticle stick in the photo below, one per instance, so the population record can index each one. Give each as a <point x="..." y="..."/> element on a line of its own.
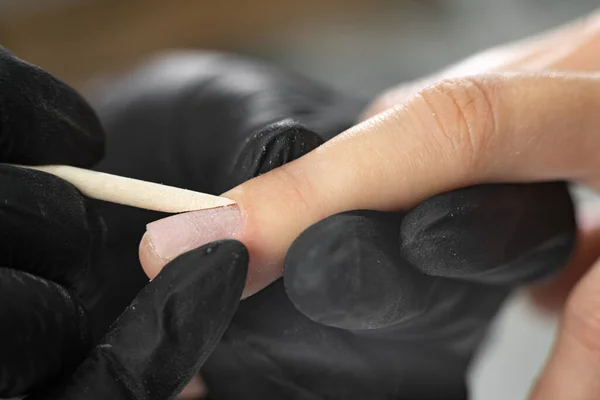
<point x="133" y="192"/>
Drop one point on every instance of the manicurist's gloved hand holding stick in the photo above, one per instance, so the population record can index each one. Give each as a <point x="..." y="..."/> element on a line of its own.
<point x="51" y="239"/>
<point x="48" y="231"/>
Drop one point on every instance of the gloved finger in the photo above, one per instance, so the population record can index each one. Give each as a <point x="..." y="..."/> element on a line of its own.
<point x="358" y="270"/>
<point x="46" y="226"/>
<point x="269" y="148"/>
<point x="43" y="120"/>
<point x="195" y="111"/>
<point x="162" y="339"/>
<point x="43" y="332"/>
<point x="347" y="272"/>
<point x="494" y="234"/>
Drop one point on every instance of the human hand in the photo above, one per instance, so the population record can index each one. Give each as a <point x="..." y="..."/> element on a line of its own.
<point x="537" y="127"/>
<point x="570" y="48"/>
<point x="237" y="123"/>
<point x="521" y="128"/>
<point x="48" y="232"/>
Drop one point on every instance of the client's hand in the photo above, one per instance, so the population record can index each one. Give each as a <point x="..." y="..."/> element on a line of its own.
<point x="393" y="303"/>
<point x="457" y="133"/>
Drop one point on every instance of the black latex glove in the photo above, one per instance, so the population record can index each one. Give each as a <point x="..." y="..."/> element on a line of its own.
<point x="392" y="306"/>
<point x="50" y="237"/>
<point x="163" y="338"/>
<point x="48" y="234"/>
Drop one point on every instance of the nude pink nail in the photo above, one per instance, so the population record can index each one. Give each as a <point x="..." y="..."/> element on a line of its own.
<point x="175" y="235"/>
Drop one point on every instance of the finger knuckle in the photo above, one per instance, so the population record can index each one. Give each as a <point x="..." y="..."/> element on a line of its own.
<point x="298" y="190"/>
<point x="461" y="115"/>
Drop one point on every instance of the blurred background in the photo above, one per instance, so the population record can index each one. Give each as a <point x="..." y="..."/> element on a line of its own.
<point x="360" y="46"/>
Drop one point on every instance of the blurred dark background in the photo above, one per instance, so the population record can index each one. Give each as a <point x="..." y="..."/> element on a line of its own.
<point x="358" y="45"/>
<point x="361" y="46"/>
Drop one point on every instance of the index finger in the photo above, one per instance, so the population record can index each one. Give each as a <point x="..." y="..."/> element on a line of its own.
<point x="456" y="133"/>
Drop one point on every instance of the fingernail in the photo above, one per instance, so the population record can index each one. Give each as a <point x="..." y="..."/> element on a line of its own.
<point x="169" y="237"/>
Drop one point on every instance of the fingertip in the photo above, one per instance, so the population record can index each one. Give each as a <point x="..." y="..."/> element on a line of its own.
<point x="168" y="238"/>
<point x="151" y="262"/>
<point x="222" y="263"/>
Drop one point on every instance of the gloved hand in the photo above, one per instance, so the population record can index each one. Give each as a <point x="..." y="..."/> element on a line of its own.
<point x="372" y="305"/>
<point x="48" y="233"/>
<point x="51" y="237"/>
<point x="163" y="338"/>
